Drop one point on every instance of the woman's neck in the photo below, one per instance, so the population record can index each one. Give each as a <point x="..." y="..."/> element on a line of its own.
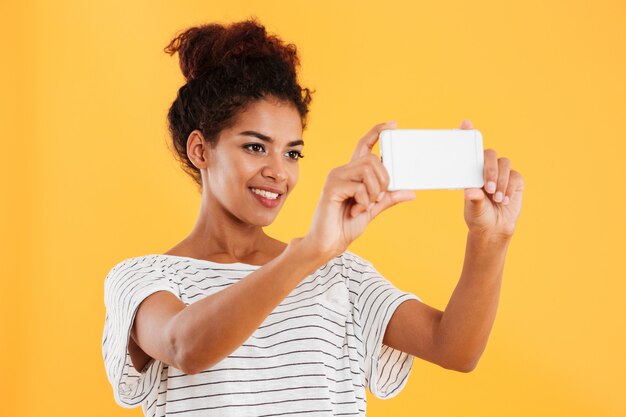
<point x="225" y="242"/>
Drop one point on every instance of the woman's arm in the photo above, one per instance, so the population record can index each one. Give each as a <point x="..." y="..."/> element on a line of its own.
<point x="456" y="338"/>
<point x="195" y="337"/>
<point x="465" y="325"/>
<point x="209" y="331"/>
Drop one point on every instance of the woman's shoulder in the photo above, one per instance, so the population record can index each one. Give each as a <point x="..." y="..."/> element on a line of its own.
<point x="137" y="274"/>
<point x="136" y="265"/>
<point x="141" y="260"/>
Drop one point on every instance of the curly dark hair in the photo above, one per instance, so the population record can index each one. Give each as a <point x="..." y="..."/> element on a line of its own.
<point x="227" y="67"/>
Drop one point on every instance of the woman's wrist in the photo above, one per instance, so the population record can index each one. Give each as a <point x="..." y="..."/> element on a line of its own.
<point x="490" y="239"/>
<point x="308" y="251"/>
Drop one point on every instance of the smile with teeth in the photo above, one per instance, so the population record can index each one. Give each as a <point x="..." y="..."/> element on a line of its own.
<point x="266" y="194"/>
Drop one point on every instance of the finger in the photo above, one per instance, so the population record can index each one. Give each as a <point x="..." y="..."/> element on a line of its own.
<point x="391" y="198"/>
<point x="515" y="186"/>
<point x="362" y="200"/>
<point x="376" y="166"/>
<point x="343" y="190"/>
<point x="466" y="124"/>
<point x="504" y="168"/>
<point x="369" y="170"/>
<point x="367" y="142"/>
<point x="491" y="170"/>
<point x="338" y="190"/>
<point x="371" y="181"/>
<point x="346" y="190"/>
<point x="381" y="172"/>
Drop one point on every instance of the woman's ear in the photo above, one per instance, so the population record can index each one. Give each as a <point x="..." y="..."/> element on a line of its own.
<point x="197" y="149"/>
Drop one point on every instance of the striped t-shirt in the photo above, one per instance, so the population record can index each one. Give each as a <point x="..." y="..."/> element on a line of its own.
<point x="314" y="355"/>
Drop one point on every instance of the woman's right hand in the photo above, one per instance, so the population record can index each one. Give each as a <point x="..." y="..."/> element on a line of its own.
<point x="353" y="195"/>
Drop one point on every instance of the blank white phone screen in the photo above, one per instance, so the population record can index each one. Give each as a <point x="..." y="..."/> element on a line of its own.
<point x="433" y="159"/>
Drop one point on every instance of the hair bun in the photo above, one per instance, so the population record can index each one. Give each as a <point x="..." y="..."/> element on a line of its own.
<point x="194" y="47"/>
<point x="203" y="48"/>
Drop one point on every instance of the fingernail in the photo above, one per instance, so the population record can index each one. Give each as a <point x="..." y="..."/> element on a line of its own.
<point x="380" y="196"/>
<point x="506" y="200"/>
<point x="498" y="196"/>
<point x="491" y="187"/>
<point x="370" y="206"/>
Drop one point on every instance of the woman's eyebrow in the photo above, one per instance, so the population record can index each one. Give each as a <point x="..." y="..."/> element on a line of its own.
<point x="268" y="139"/>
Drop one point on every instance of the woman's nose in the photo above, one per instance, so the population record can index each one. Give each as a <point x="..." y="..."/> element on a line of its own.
<point x="275" y="169"/>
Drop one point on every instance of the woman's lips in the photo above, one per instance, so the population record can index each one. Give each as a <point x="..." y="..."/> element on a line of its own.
<point x="266" y="201"/>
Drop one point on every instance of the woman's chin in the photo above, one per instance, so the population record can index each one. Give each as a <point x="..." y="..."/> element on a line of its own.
<point x="266" y="220"/>
<point x="264" y="216"/>
<point x="261" y="219"/>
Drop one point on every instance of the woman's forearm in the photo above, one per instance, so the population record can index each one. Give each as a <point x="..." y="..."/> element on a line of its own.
<point x="468" y="318"/>
<point x="210" y="329"/>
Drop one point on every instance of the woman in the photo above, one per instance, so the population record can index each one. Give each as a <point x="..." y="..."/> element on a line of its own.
<point x="231" y="322"/>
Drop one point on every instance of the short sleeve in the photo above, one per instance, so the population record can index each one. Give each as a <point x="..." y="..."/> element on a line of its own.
<point x="375" y="299"/>
<point x="125" y="287"/>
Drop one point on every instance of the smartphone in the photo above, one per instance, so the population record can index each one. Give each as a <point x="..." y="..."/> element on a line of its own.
<point x="433" y="159"/>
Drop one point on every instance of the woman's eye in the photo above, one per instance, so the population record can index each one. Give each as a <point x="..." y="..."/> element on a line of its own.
<point x="256" y="147"/>
<point x="295" y="155"/>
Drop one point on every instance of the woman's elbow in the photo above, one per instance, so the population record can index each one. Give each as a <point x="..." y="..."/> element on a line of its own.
<point x="465" y="366"/>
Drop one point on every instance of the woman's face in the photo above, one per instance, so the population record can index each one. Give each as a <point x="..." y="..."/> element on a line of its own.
<point x="254" y="165"/>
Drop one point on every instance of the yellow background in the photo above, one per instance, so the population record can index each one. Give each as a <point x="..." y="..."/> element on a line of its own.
<point x="87" y="181"/>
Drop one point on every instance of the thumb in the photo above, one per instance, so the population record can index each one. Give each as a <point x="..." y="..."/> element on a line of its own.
<point x="475" y="197"/>
<point x="367" y="142"/>
<point x="391" y="198"/>
<point x="473" y="194"/>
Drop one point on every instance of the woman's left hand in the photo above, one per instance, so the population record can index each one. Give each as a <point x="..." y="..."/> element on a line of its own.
<point x="493" y="210"/>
